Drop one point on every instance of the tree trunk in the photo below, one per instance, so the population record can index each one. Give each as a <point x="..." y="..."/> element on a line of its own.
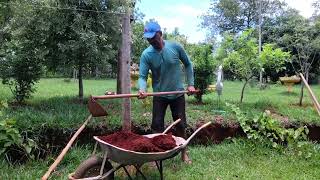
<point x="306" y="75"/>
<point x="125" y="72"/>
<point x="118" y="73"/>
<point x="242" y="91"/>
<point x="1" y="37"/>
<point x="301" y="94"/>
<point x="96" y="70"/>
<point x="80" y="84"/>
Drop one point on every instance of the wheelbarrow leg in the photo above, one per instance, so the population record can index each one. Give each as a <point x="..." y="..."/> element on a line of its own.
<point x="159" y="166"/>
<point x="139" y="171"/>
<point x="103" y="163"/>
<point x="125" y="169"/>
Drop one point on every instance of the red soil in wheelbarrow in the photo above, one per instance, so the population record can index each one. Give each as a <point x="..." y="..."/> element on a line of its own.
<point x="138" y="143"/>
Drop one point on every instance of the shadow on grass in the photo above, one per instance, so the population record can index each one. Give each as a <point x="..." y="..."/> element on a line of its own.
<point x="63" y="111"/>
<point x="304" y="105"/>
<point x="64" y="103"/>
<point x="291" y="94"/>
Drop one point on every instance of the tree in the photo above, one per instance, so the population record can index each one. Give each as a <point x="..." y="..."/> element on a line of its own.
<point x="306" y="42"/>
<point x="21" y="63"/>
<point x="242" y="57"/>
<point x="175" y="35"/>
<point x="316" y="5"/>
<point x="5" y="15"/>
<point x="235" y="16"/>
<point x="201" y="55"/>
<point x="299" y="35"/>
<point x="139" y="43"/>
<point x="84" y="37"/>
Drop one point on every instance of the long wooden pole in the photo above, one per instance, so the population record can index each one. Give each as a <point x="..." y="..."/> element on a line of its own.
<point x="312" y="96"/>
<point x="137" y="95"/>
<point x="65" y="150"/>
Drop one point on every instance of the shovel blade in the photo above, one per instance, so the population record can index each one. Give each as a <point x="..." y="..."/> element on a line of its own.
<point x="95" y="108"/>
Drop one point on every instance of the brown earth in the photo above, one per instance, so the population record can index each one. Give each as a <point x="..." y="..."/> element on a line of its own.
<point x="53" y="140"/>
<point x="135" y="142"/>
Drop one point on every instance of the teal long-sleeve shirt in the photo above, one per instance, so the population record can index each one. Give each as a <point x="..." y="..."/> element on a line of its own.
<point x="165" y="68"/>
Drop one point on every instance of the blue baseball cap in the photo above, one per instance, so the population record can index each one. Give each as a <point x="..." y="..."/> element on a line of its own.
<point x="150" y="29"/>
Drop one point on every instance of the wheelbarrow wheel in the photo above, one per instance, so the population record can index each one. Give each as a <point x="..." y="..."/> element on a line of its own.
<point x="91" y="168"/>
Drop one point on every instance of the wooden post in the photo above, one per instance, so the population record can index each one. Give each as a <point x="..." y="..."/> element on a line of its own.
<point x="125" y="60"/>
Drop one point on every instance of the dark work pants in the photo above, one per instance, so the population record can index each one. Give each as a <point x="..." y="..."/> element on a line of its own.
<point x="177" y="107"/>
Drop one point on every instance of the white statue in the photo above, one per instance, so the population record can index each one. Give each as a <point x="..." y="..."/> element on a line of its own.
<point x="219" y="84"/>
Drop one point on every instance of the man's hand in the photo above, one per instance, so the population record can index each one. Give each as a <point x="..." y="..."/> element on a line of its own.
<point x="191" y="90"/>
<point x="142" y="94"/>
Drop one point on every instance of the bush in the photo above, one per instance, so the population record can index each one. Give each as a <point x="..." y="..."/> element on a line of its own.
<point x="20" y="70"/>
<point x="11" y="139"/>
<point x="264" y="128"/>
<point x="203" y="68"/>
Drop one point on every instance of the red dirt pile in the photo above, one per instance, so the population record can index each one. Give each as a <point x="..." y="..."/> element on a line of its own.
<point x="165" y="141"/>
<point x="138" y="143"/>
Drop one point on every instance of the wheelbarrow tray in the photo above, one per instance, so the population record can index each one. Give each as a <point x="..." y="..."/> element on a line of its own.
<point x="128" y="157"/>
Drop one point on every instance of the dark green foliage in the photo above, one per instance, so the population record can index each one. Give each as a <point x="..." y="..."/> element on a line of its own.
<point x="20" y="71"/>
<point x="139" y="43"/>
<point x="81" y="35"/>
<point x="295" y="33"/>
<point x="300" y="36"/>
<point x="11" y="139"/>
<point x="201" y="56"/>
<point x="234" y="16"/>
<point x="22" y="55"/>
<point x="264" y="127"/>
<point x="239" y="55"/>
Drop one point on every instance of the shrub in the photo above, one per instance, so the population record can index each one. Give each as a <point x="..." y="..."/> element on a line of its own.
<point x="203" y="68"/>
<point x="20" y="70"/>
<point x="11" y="139"/>
<point x="264" y="127"/>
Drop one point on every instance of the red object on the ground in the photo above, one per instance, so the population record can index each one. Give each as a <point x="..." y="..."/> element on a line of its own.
<point x="165" y="142"/>
<point x="138" y="143"/>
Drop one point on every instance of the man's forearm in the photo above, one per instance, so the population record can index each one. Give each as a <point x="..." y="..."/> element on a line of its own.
<point x="142" y="82"/>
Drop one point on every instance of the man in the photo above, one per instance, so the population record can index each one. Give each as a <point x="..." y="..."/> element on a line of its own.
<point x="163" y="59"/>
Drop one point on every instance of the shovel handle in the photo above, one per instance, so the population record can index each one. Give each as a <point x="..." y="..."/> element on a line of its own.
<point x="65" y="150"/>
<point x="137" y="95"/>
<point x="312" y="96"/>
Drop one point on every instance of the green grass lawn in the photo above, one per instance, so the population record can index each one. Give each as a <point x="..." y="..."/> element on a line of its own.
<point x="55" y="105"/>
<point x="237" y="159"/>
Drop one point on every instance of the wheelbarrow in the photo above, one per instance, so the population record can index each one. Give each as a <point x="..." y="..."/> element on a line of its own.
<point x="101" y="168"/>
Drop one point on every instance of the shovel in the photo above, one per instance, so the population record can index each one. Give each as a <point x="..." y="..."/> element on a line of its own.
<point x="97" y="110"/>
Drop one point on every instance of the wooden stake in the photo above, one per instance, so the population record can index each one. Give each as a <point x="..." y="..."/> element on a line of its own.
<point x="125" y="62"/>
<point x="65" y="150"/>
<point x="312" y="96"/>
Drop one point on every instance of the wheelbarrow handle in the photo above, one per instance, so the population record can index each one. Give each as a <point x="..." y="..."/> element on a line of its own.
<point x="171" y="125"/>
<point x="137" y="95"/>
<point x="195" y="133"/>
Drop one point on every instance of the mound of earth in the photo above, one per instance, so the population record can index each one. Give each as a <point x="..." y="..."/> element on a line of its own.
<point x="135" y="142"/>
